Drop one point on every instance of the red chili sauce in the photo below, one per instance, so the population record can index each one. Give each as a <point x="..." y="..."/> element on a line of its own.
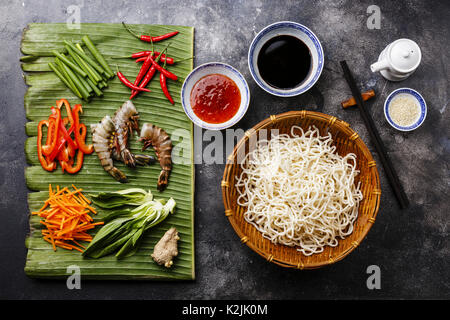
<point x="215" y="98"/>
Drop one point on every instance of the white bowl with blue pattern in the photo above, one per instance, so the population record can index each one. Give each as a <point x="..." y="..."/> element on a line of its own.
<point x="300" y="32"/>
<point x="214" y="68"/>
<point x="420" y="101"/>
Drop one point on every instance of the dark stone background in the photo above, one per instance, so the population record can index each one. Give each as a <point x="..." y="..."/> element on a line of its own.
<point x="411" y="246"/>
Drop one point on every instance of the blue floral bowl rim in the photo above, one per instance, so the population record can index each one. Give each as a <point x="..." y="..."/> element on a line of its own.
<point x="210" y="126"/>
<point x="317" y="45"/>
<point x="418" y="97"/>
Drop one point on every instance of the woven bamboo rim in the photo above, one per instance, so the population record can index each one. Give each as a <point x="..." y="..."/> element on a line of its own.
<point x="346" y="141"/>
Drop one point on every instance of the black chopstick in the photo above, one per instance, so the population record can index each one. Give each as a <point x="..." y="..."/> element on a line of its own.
<point x="375" y="137"/>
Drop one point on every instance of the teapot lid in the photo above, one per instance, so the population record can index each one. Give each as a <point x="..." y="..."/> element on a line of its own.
<point x="405" y="55"/>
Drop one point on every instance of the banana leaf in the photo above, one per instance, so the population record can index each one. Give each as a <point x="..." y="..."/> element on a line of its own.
<point x="45" y="88"/>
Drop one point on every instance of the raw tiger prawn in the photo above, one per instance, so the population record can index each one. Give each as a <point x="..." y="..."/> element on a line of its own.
<point x="156" y="137"/>
<point x="110" y="140"/>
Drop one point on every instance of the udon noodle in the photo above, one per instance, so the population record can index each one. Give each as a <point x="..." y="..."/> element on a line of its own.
<point x="298" y="191"/>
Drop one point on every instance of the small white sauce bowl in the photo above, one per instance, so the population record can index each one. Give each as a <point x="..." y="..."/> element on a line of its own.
<point x="300" y="32"/>
<point x="215" y="68"/>
<point x="416" y="96"/>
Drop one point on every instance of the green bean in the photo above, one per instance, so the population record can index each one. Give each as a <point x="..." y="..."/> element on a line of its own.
<point x="85" y="57"/>
<point x="94" y="73"/>
<point x="73" y="66"/>
<point x="82" y="80"/>
<point x="78" y="45"/>
<point x="97" y="91"/>
<point x="72" y="84"/>
<point x="97" y="55"/>
<point x="63" y="79"/>
<point x="98" y="76"/>
<point x="28" y="58"/>
<point x="79" y="62"/>
<point x="77" y="83"/>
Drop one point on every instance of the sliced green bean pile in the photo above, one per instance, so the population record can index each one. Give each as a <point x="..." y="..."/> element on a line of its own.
<point x="86" y="76"/>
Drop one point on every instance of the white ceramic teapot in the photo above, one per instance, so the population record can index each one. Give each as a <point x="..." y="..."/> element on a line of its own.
<point x="398" y="60"/>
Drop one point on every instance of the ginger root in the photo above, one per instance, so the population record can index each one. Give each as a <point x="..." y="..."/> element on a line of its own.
<point x="166" y="248"/>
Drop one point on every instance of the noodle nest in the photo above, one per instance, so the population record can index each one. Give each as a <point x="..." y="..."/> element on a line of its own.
<point x="298" y="191"/>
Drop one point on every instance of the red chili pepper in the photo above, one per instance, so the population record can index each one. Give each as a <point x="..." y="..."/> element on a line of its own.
<point x="87" y="149"/>
<point x="164" y="58"/>
<point x="149" y="38"/>
<point x="142" y="55"/>
<point x="167" y="73"/>
<point x="144" y="68"/>
<point x="145" y="81"/>
<point x="46" y="165"/>
<point x="151" y="72"/>
<point x="159" y="38"/>
<point x="127" y="82"/>
<point x="162" y="81"/>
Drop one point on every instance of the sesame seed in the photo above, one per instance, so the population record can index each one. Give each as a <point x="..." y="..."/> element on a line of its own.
<point x="404" y="110"/>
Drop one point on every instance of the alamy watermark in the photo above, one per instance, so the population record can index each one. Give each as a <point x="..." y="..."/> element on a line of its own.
<point x="374" y="280"/>
<point x="74" y="12"/>
<point x="374" y="20"/>
<point x="74" y="279"/>
<point x="214" y="146"/>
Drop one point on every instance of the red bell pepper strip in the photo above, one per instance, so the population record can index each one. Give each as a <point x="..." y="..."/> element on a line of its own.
<point x="47" y="150"/>
<point x="66" y="135"/>
<point x="51" y="127"/>
<point x="87" y="149"/>
<point x="68" y="166"/>
<point x="59" y="104"/>
<point x="61" y="144"/>
<point x="48" y="166"/>
<point x="74" y="169"/>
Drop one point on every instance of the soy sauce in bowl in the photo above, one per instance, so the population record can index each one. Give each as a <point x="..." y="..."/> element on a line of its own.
<point x="284" y="62"/>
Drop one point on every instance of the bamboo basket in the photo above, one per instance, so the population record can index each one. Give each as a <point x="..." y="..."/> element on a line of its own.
<point x="346" y="140"/>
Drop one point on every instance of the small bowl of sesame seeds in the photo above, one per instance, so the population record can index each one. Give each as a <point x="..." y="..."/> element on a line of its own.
<point x="405" y="109"/>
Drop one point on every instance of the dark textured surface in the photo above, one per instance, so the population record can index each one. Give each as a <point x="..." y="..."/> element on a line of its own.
<point x="411" y="247"/>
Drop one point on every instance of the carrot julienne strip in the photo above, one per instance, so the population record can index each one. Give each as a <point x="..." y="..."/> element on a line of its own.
<point x="66" y="216"/>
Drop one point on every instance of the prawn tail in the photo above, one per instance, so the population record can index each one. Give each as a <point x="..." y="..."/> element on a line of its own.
<point x="163" y="180"/>
<point x="143" y="160"/>
<point x="118" y="175"/>
<point x="128" y="158"/>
